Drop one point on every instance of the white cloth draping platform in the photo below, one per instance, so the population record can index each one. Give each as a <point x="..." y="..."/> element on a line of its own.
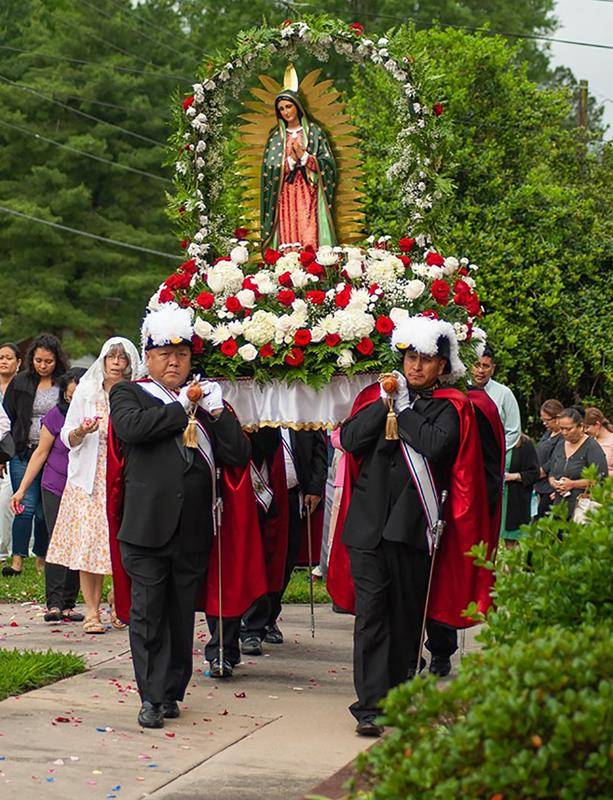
<point x="295" y="405"/>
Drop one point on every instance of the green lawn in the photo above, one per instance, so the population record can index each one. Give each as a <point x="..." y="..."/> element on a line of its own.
<point x="30" y="585"/>
<point x="22" y="671"/>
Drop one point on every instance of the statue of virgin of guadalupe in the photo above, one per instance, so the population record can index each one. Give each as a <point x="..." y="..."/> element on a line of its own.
<point x="298" y="179"/>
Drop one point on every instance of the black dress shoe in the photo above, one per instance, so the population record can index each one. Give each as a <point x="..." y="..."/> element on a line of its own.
<point x="53" y="615"/>
<point x="251" y="645"/>
<point x="9" y="572"/>
<point x="151" y="715"/>
<point x="369" y="728"/>
<point x="221" y="671"/>
<point x="273" y="635"/>
<point x="170" y="709"/>
<point x="440" y="666"/>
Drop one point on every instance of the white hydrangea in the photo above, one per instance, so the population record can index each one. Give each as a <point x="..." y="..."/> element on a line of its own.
<point x="260" y="328"/>
<point x="326" y="256"/>
<point x="246" y="297"/>
<point x="354" y="324"/>
<point x="202" y="328"/>
<point x="225" y="278"/>
<point x="239" y="254"/>
<point x="247" y="352"/>
<point x="265" y="282"/>
<point x="385" y="271"/>
<point x="414" y="289"/>
<point x="287" y="263"/>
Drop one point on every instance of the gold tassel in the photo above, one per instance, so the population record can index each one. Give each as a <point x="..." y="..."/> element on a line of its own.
<point x="190" y="434"/>
<point x="391" y="424"/>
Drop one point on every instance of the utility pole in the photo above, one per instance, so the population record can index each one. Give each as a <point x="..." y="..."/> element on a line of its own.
<point x="582" y="106"/>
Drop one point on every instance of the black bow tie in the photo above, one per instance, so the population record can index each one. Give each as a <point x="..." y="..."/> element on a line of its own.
<point x="422" y="394"/>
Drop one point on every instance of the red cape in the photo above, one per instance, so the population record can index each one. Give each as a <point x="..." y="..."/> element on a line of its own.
<point x="275" y="527"/>
<point x="456" y="580"/>
<point x="243" y="570"/>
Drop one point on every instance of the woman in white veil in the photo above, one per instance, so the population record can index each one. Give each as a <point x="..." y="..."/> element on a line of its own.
<point x="80" y="538"/>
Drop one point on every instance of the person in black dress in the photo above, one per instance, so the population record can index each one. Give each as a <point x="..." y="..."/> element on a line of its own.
<point x="523" y="473"/>
<point x="550" y="411"/>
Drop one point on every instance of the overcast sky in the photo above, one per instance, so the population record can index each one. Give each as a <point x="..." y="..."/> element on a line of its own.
<point x="588" y="21"/>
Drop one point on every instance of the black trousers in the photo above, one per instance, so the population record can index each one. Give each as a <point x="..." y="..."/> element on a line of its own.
<point x="442" y="640"/>
<point x="61" y="583"/>
<point x="390" y="593"/>
<point x="166" y="582"/>
<point x="231" y="630"/>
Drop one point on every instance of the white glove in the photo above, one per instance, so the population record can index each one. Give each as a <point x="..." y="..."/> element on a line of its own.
<point x="183" y="399"/>
<point x="212" y="397"/>
<point x="401" y="396"/>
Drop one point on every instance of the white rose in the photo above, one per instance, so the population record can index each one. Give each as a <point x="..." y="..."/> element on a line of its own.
<point x="246" y="297"/>
<point x="397" y="315"/>
<point x="239" y="254"/>
<point x="300" y="306"/>
<point x="299" y="278"/>
<point x="345" y="359"/>
<point x="202" y="328"/>
<point x="326" y="256"/>
<point x="353" y="253"/>
<point x="414" y="289"/>
<point x="353" y="268"/>
<point x="235" y="327"/>
<point x="247" y="352"/>
<point x="451" y="265"/>
<point x="225" y="277"/>
<point x="317" y="333"/>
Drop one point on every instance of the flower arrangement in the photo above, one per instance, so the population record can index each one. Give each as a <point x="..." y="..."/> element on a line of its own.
<point x="301" y="314"/>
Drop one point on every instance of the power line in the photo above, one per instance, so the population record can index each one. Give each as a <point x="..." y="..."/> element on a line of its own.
<point x="14" y="213"/>
<point x="90" y="100"/>
<point x="83" y="152"/>
<point x="156" y="75"/>
<point x="81" y="113"/>
<point x="159" y="29"/>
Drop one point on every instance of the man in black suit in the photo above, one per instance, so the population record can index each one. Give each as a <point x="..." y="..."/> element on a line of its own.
<point x="385" y="529"/>
<point x="167" y="525"/>
<point x="306" y="467"/>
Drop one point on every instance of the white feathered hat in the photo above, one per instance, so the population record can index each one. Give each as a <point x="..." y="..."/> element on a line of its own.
<point x="432" y="337"/>
<point x="168" y="324"/>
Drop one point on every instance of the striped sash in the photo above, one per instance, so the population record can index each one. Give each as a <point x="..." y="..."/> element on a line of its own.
<point x="420" y="472"/>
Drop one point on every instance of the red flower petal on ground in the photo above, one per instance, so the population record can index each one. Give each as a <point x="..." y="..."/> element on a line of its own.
<point x="302" y="337"/>
<point x="271" y="256"/>
<point x="295" y="357"/>
<point x="406" y="244"/>
<point x="187" y="102"/>
<point x="316" y="296"/>
<point x="233" y="304"/>
<point x="434" y="259"/>
<point x="384" y="325"/>
<point x="286" y="297"/>
<point x="267" y="350"/>
<point x="285" y="279"/>
<point x="197" y="345"/>
<point x="332" y="339"/>
<point x="205" y="299"/>
<point x="229" y="348"/>
<point x="440" y="291"/>
<point x="365" y="346"/>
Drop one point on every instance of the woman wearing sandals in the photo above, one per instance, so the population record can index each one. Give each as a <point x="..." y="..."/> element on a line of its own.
<point x="81" y="536"/>
<point x="51" y="456"/>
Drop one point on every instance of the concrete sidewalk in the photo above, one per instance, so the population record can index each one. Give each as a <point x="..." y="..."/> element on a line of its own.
<point x="274" y="731"/>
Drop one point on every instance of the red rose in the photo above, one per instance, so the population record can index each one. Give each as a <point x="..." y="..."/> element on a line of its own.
<point x="462" y="289"/>
<point x="249" y="283"/>
<point x="440" y="291"/>
<point x="285" y="279"/>
<point x="463" y="272"/>
<point x="205" y="299"/>
<point x="295" y="357"/>
<point x="184" y="302"/>
<point x="189" y="266"/>
<point x="405" y="260"/>
<point x="266" y="351"/>
<point x="406" y="244"/>
<point x="365" y="346"/>
<point x="187" y="102"/>
<point x="271" y="256"/>
<point x="229" y="348"/>
<point x="357" y="28"/>
<point x="285" y="23"/>
<point x="315" y="296"/>
<point x="306" y="257"/>
<point x="316" y="269"/>
<point x="434" y="259"/>
<point x="286" y="297"/>
<point x="473" y="305"/>
<point x="178" y="280"/>
<point x="197" y="345"/>
<point x="184" y="244"/>
<point x="438" y="109"/>
<point x="166" y="296"/>
<point x="429" y="312"/>
<point x="469" y="332"/>
<point x="332" y="339"/>
<point x="302" y="337"/>
<point x="373" y="288"/>
<point x="384" y="325"/>
<point x="233" y="304"/>
<point x="343" y="297"/>
<point x="241" y="233"/>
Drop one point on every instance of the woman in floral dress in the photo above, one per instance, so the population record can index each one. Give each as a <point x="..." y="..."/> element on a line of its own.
<point x="80" y="538"/>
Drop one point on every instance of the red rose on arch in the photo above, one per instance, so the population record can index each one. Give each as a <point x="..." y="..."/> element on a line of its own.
<point x="462" y="290"/>
<point x="384" y="325"/>
<point x="473" y="305"/>
<point x="343" y="297"/>
<point x="189" y="267"/>
<point x="306" y="257"/>
<point x="187" y="102"/>
<point x="184" y="301"/>
<point x="229" y="348"/>
<point x="406" y="244"/>
<point x="241" y="233"/>
<point x="357" y="27"/>
<point x="286" y="297"/>
<point x="440" y="291"/>
<point x="249" y="283"/>
<point x="267" y="350"/>
<point x="197" y="345"/>
<point x="294" y="358"/>
<point x="332" y="339"/>
<point x="302" y="337"/>
<point x="233" y="304"/>
<point x="438" y="109"/>
<point x="271" y="256"/>
<point x="315" y="269"/>
<point x="178" y="280"/>
<point x="165" y="295"/>
<point x="316" y="296"/>
<point x="285" y="279"/>
<point x="205" y="299"/>
<point x="365" y="346"/>
<point x="405" y="260"/>
<point x="434" y="259"/>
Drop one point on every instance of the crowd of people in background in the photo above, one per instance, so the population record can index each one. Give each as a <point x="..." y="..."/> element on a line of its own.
<point x="53" y="488"/>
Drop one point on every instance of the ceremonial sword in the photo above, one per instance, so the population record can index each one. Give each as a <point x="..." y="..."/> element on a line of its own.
<point x="217" y="512"/>
<point x="437" y="532"/>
